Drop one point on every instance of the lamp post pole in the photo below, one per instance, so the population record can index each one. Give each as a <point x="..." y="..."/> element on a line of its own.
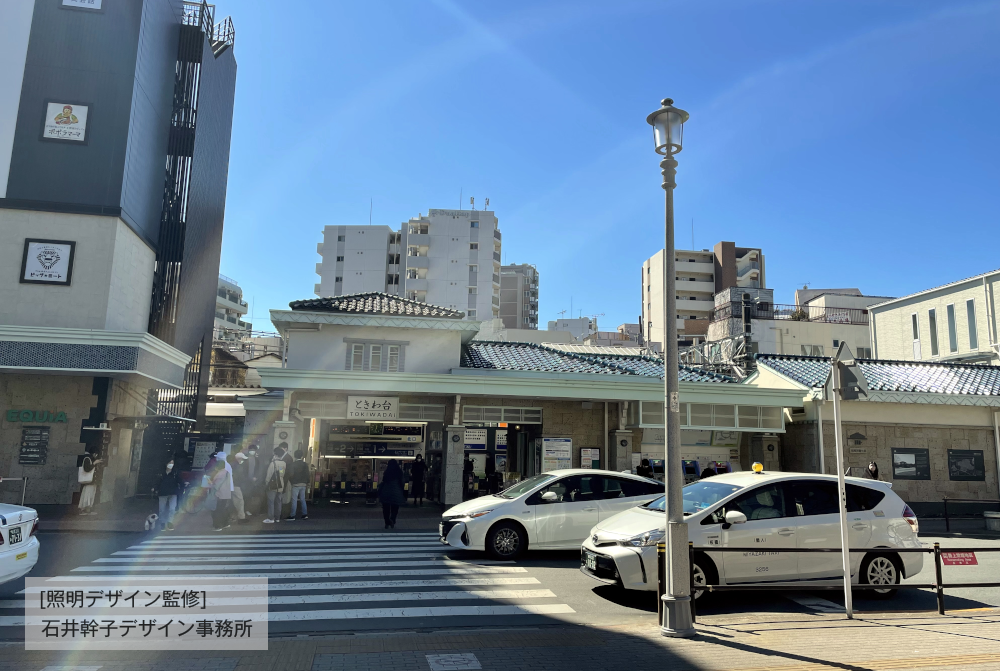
<point x="667" y="125"/>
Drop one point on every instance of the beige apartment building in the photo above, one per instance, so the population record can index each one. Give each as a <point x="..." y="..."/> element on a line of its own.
<point x="955" y="322"/>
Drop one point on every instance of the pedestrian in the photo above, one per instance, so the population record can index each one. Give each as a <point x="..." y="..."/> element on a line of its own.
<point x="252" y="477"/>
<point x="708" y="472"/>
<point x="238" y="463"/>
<point x="274" y="483"/>
<point x="390" y="493"/>
<point x="644" y="469"/>
<point x="286" y="495"/>
<point x="167" y="489"/>
<point x="418" y="470"/>
<point x="87" y="464"/>
<point x="222" y="486"/>
<point x="299" y="477"/>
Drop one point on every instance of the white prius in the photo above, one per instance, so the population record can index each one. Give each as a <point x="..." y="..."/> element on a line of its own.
<point x="18" y="542"/>
<point x="554" y="510"/>
<point x="768" y="512"/>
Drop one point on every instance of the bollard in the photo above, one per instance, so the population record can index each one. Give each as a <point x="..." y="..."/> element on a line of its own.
<point x="694" y="611"/>
<point x="661" y="578"/>
<point x="947" y="522"/>
<point x="938" y="580"/>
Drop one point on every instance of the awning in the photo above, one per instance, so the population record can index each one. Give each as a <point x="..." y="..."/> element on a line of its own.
<point x="225" y="410"/>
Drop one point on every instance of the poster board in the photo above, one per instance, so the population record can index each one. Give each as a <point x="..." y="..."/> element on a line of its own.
<point x="202" y="453"/>
<point x="590" y="457"/>
<point x="966" y="466"/>
<point x="557" y="453"/>
<point x="911" y="463"/>
<point x="475" y="439"/>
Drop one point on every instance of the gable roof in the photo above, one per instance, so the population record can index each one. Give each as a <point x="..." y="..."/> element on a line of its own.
<point x="943" y="286"/>
<point x="375" y="303"/>
<point x="542" y="358"/>
<point x="884" y="375"/>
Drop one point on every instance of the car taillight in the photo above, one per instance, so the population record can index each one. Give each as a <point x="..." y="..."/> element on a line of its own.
<point x="34" y="528"/>
<point x="911" y="517"/>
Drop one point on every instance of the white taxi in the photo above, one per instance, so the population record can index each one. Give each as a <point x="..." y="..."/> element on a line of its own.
<point x="554" y="510"/>
<point x="767" y="512"/>
<point x="18" y="542"/>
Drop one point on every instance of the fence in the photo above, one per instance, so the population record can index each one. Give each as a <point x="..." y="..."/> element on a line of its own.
<point x="938" y="585"/>
<point x="947" y="518"/>
<point x="795" y="313"/>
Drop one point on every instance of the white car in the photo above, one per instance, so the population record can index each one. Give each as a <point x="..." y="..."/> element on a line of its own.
<point x="554" y="510"/>
<point x="18" y="543"/>
<point x="767" y="512"/>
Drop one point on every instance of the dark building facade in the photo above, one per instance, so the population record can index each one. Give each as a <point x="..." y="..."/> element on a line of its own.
<point x="115" y="129"/>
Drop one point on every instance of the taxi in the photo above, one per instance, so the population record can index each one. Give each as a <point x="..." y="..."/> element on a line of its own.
<point x="18" y="542"/>
<point x="769" y="512"/>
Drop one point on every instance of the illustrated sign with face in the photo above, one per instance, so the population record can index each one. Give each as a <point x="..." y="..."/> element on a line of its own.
<point x="65" y="121"/>
<point x="47" y="261"/>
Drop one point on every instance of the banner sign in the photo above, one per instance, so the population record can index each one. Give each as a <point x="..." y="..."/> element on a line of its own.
<point x="66" y="122"/>
<point x="373" y="407"/>
<point x="959" y="559"/>
<point x="368" y="450"/>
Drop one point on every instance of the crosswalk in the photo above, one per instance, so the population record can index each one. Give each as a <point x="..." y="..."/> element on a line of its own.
<point x="341" y="581"/>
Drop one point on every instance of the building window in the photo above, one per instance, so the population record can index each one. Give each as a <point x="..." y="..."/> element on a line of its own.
<point x="472" y="314"/>
<point x="340" y="258"/>
<point x="836" y="343"/>
<point x="473" y="268"/>
<point x="812" y="350"/>
<point x="526" y="320"/>
<point x="952" y="329"/>
<point x="338" y="279"/>
<point x="473" y="290"/>
<point x="340" y="238"/>
<point x="392" y="279"/>
<point x="970" y="311"/>
<point x="474" y="224"/>
<point x="864" y="352"/>
<point x="914" y="323"/>
<point x="357" y="356"/>
<point x="392" y="365"/>
<point x="375" y="360"/>
<point x="473" y="245"/>
<point x="932" y="323"/>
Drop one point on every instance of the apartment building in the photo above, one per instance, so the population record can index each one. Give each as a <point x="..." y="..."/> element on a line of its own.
<point x="580" y="328"/>
<point x="954" y="322"/>
<point x="449" y="258"/>
<point x="115" y="129"/>
<point x="699" y="275"/>
<point x="229" y="311"/>
<point x="519" y="296"/>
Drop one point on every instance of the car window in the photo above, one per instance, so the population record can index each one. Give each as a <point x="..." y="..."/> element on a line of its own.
<point x="762" y="503"/>
<point x="862" y="498"/>
<point x="812" y="497"/>
<point x="572" y="489"/>
<point x="525" y="486"/>
<point x="616" y="488"/>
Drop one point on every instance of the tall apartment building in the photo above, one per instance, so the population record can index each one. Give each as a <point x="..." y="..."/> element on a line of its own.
<point x="449" y="258"/>
<point x="229" y="311"/>
<point x="699" y="276"/>
<point x="581" y="328"/>
<point x="115" y="128"/>
<point x="519" y="296"/>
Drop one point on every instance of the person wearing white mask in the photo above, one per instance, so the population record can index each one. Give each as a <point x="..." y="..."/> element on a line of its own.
<point x="167" y="489"/>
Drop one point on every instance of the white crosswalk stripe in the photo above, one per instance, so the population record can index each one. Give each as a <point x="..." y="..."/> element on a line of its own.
<point x="339" y="581"/>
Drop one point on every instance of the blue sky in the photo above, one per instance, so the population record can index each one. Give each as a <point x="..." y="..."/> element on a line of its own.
<point x="856" y="142"/>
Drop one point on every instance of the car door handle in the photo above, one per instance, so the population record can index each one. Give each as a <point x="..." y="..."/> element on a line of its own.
<point x="589" y="510"/>
<point x="859" y="527"/>
<point x="786" y="532"/>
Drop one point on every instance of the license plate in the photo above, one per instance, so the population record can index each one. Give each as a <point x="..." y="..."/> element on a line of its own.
<point x="14" y="535"/>
<point x="590" y="561"/>
<point x="23" y="555"/>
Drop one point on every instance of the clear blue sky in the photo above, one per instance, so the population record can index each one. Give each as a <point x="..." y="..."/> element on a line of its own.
<point x="856" y="142"/>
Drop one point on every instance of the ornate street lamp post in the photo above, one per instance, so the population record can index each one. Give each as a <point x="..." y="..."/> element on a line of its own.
<point x="668" y="131"/>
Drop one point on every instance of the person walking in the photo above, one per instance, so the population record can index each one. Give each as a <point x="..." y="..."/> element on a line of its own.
<point x="390" y="493"/>
<point x="167" y="489"/>
<point x="418" y="470"/>
<point x="299" y="477"/>
<point x="286" y="495"/>
<point x="255" y="476"/>
<point x="274" y="483"/>
<point x="222" y="486"/>
<point x="87" y="465"/>
<point x="237" y="462"/>
<point x="644" y="469"/>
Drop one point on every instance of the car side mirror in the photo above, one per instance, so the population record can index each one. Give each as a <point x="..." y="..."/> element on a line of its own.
<point x="552" y="497"/>
<point x="734" y="517"/>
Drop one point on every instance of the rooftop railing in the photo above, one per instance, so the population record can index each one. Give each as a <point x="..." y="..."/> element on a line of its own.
<point x="795" y="313"/>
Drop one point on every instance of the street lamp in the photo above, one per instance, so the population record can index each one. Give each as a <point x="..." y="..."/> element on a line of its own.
<point x="668" y="132"/>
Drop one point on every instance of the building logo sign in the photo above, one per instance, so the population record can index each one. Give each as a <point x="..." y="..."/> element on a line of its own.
<point x="66" y="122"/>
<point x="47" y="261"/>
<point x="35" y="416"/>
<point x="83" y="4"/>
<point x="385" y="408"/>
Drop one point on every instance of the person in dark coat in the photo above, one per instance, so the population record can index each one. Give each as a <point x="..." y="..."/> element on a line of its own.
<point x="167" y="490"/>
<point x="644" y="469"/>
<point x="418" y="471"/>
<point x="390" y="493"/>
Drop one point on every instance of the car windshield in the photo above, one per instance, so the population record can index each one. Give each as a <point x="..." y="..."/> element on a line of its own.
<point x="698" y="496"/>
<point x="525" y="486"/>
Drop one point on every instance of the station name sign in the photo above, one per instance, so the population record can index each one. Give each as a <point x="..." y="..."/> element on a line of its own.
<point x="382" y="408"/>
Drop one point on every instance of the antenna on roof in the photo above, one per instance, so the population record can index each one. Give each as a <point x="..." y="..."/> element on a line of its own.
<point x="472" y="202"/>
<point x="460" y="190"/>
<point x="487" y="205"/>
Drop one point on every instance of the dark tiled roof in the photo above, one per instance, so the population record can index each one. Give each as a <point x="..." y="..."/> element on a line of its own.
<point x="375" y="303"/>
<point x="539" y="358"/>
<point x="912" y="376"/>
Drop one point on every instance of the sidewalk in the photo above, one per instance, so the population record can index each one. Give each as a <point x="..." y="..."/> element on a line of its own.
<point x="760" y="642"/>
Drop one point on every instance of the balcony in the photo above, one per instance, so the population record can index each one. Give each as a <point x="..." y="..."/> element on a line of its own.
<point x="695" y="286"/>
<point x="699" y="267"/>
<point x="750" y="267"/>
<point x="416" y="284"/>
<point x="795" y="313"/>
<point x="496" y="256"/>
<point x="227" y="303"/>
<point x="496" y="234"/>
<point x="418" y="239"/>
<point x="686" y="306"/>
<point x="417" y="262"/>
<point x="496" y="278"/>
<point x="496" y="301"/>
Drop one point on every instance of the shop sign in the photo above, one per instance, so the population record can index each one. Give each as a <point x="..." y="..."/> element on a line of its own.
<point x="35" y="416"/>
<point x="47" y="261"/>
<point x="557" y="453"/>
<point x="65" y="121"/>
<point x="368" y="450"/>
<point x="475" y="439"/>
<point x="373" y="407"/>
<point x="34" y="445"/>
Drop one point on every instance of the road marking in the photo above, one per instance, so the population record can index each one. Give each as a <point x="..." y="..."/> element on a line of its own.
<point x="318" y="574"/>
<point x="295" y="548"/>
<point x="253" y="558"/>
<point x="420" y="611"/>
<point x="460" y="662"/>
<point x="817" y="604"/>
<point x="282" y="538"/>
<point x="275" y="567"/>
<point x="451" y="595"/>
<point x="72" y="668"/>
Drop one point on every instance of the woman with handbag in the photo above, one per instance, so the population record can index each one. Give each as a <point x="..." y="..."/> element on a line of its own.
<point x="86" y="476"/>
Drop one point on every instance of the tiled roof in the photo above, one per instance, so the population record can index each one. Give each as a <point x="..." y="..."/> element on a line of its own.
<point x="910" y="376"/>
<point x="375" y="303"/>
<point x="943" y="286"/>
<point x="541" y="358"/>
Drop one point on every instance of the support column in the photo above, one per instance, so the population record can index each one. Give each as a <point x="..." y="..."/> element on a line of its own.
<point x="453" y="455"/>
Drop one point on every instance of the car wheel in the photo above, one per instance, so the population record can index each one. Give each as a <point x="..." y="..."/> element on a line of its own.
<point x="506" y="541"/>
<point x="703" y="573"/>
<point x="880" y="569"/>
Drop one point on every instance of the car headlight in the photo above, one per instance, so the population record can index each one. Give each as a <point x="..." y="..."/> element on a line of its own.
<point x="473" y="516"/>
<point x="644" y="539"/>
